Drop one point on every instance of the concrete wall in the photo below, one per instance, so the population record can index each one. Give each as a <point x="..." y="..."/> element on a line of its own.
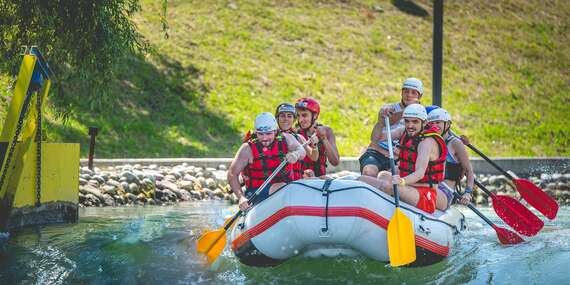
<point x="522" y="166"/>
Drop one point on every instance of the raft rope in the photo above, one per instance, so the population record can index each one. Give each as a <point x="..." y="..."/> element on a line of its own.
<point x="326" y="192"/>
<point x="421" y="215"/>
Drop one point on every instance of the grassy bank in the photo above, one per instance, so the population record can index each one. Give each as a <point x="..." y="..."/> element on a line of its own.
<point x="506" y="74"/>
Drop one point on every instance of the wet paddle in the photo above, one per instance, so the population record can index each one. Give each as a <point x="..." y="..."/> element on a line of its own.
<point x="401" y="240"/>
<point x="535" y="196"/>
<point x="212" y="243"/>
<point x="514" y="213"/>
<point x="505" y="236"/>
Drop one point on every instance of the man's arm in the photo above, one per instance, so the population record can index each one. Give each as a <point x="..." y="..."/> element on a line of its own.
<point x="294" y="147"/>
<point x="463" y="158"/>
<point x="311" y="152"/>
<point x="377" y="134"/>
<point x="424" y="151"/>
<point x="239" y="163"/>
<point x="328" y="139"/>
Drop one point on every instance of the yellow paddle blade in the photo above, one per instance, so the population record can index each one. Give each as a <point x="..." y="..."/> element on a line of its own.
<point x="401" y="242"/>
<point x="208" y="240"/>
<point x="216" y="250"/>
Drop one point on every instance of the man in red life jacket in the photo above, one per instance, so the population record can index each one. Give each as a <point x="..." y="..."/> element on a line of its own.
<point x="259" y="157"/>
<point x="421" y="162"/>
<point x="286" y="115"/>
<point x="308" y="110"/>
<point x="376" y="157"/>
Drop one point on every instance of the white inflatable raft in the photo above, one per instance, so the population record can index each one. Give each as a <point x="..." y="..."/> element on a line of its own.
<point x="341" y="217"/>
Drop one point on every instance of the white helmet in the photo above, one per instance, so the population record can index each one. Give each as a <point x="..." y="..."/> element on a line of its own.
<point x="265" y="122"/>
<point x="415" y="84"/>
<point x="439" y="115"/>
<point x="415" y="111"/>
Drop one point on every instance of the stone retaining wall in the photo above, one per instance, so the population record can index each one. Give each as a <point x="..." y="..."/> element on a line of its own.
<point x="522" y="166"/>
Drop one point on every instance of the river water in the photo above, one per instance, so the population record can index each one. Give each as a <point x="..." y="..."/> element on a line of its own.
<point x="155" y="245"/>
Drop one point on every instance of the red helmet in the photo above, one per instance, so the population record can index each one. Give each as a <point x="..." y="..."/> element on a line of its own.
<point x="308" y="104"/>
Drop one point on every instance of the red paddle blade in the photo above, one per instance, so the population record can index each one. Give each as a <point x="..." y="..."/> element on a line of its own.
<point x="517" y="215"/>
<point x="507" y="237"/>
<point x="537" y="198"/>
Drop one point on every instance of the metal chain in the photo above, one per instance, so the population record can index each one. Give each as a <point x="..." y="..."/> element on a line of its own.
<point x="22" y="116"/>
<point x="39" y="150"/>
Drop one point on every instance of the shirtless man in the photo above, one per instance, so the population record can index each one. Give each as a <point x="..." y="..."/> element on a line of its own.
<point x="421" y="162"/>
<point x="375" y="159"/>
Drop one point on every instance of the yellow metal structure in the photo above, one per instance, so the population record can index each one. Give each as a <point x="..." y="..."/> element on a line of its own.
<point x="38" y="181"/>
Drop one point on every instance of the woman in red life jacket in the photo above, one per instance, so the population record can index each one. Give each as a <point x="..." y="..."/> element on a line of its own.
<point x="286" y="115"/>
<point x="457" y="164"/>
<point x="421" y="162"/>
<point x="308" y="110"/>
<point x="376" y="157"/>
<point x="259" y="157"/>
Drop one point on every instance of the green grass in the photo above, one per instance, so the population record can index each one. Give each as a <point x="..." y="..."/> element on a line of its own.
<point x="506" y="74"/>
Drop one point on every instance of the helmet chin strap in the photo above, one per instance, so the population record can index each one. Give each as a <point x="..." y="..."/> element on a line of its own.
<point x="313" y="121"/>
<point x="445" y="130"/>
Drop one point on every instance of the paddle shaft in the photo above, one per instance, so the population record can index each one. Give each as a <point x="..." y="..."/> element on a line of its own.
<point x="392" y="163"/>
<point x="484" y="188"/>
<point x="251" y="199"/>
<point x="490" y="161"/>
<point x="267" y="181"/>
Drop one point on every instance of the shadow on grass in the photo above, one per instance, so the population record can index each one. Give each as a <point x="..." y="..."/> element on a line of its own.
<point x="409" y="7"/>
<point x="158" y="111"/>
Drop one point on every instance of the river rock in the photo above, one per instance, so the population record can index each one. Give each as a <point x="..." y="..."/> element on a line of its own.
<point x="153" y="167"/>
<point x="200" y="174"/>
<point x="99" y="179"/>
<point x="89" y="189"/>
<point x="219" y="193"/>
<point x="141" y="197"/>
<point x="202" y="181"/>
<point x="108" y="200"/>
<point x="119" y="199"/>
<point x="82" y="181"/>
<point x="166" y="185"/>
<point x="92" y="200"/>
<point x="196" y="195"/>
<point x="190" y="170"/>
<point x="185" y="195"/>
<point x="130" y="197"/>
<point x="130" y="177"/>
<point x="93" y="183"/>
<point x="170" y="178"/>
<point x="86" y="170"/>
<point x="109" y="189"/>
<point x="222" y="167"/>
<point x="186" y="185"/>
<point x="133" y="188"/>
<point x="211" y="183"/>
<point x="208" y="193"/>
<point x="557" y="177"/>
<point x="124" y="186"/>
<point x="545" y="177"/>
<point x="481" y="200"/>
<point x="497" y="180"/>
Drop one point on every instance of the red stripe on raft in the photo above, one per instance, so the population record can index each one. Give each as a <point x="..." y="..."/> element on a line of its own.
<point x="332" y="212"/>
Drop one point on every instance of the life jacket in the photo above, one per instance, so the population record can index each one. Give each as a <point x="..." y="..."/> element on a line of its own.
<point x="295" y="170"/>
<point x="453" y="169"/>
<point x="265" y="162"/>
<point x="409" y="155"/>
<point x="319" y="166"/>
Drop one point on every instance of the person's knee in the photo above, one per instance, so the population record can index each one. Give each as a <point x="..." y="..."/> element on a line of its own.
<point x="370" y="170"/>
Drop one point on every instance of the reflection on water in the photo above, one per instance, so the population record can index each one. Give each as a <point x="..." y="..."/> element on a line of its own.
<point x="155" y="245"/>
